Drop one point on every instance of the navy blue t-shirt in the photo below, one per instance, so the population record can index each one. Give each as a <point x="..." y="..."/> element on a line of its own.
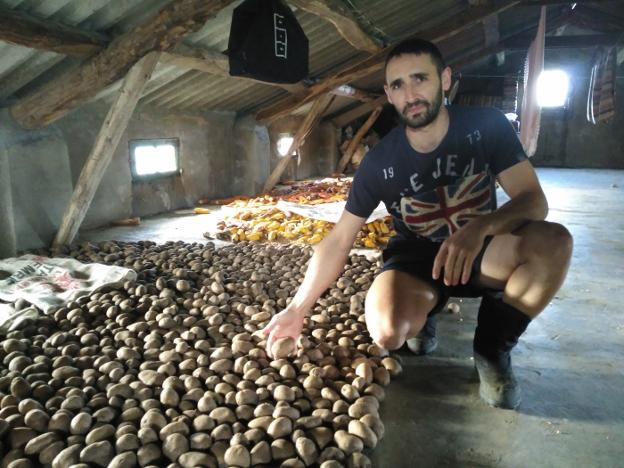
<point x="431" y="195"/>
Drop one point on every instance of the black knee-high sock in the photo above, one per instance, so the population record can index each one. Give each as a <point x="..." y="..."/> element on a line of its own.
<point x="499" y="325"/>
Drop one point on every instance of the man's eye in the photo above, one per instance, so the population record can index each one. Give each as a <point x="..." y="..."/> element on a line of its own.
<point x="396" y="86"/>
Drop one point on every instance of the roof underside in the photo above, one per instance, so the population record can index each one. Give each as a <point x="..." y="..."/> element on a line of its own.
<point x="22" y="70"/>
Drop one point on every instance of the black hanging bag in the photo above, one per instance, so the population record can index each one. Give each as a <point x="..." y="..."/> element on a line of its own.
<point x="267" y="43"/>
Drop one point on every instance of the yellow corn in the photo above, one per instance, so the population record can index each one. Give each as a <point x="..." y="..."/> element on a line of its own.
<point x="369" y="243"/>
<point x="315" y="239"/>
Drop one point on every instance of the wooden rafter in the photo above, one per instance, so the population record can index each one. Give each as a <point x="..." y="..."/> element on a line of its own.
<point x="309" y="123"/>
<point x="346" y="24"/>
<point x="162" y="32"/>
<point x="355" y="141"/>
<point x="349" y="116"/>
<point x="20" y="28"/>
<point x="216" y="63"/>
<point x="104" y="147"/>
<point x="374" y="63"/>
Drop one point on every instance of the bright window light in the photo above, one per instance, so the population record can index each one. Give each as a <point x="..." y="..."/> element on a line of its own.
<point x="283" y="145"/>
<point x="154" y="157"/>
<point x="552" y="88"/>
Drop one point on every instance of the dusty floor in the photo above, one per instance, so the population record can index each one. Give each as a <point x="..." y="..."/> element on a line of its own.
<point x="570" y="362"/>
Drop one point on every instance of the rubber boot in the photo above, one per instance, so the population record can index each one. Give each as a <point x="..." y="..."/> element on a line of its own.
<point x="425" y="342"/>
<point x="499" y="326"/>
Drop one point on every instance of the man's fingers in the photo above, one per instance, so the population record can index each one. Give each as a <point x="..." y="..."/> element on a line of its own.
<point x="449" y="265"/>
<point x="266" y="330"/>
<point x="269" y="346"/>
<point x="439" y="261"/>
<point x="467" y="269"/>
<point x="457" y="269"/>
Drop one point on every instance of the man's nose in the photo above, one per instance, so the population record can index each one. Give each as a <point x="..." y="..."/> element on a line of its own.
<point x="411" y="92"/>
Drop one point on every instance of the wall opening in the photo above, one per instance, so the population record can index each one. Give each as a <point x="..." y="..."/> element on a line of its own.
<point x="150" y="159"/>
<point x="284" y="142"/>
<point x="552" y="88"/>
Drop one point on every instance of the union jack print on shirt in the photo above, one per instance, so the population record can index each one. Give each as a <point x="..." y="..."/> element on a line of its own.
<point x="439" y="213"/>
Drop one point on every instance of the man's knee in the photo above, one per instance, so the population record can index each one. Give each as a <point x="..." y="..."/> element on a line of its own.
<point x="386" y="327"/>
<point x="548" y="241"/>
<point x="389" y="339"/>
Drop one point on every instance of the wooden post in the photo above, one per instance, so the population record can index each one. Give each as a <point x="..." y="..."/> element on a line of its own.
<point x="308" y="124"/>
<point x="348" y="154"/>
<point x="105" y="144"/>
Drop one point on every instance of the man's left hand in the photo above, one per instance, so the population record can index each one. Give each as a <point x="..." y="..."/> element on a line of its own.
<point x="458" y="253"/>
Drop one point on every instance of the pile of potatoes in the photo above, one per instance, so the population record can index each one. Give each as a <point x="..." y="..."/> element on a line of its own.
<point x="171" y="370"/>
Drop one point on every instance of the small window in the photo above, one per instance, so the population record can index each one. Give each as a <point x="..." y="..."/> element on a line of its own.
<point x="284" y="143"/>
<point x="552" y="88"/>
<point x="151" y="159"/>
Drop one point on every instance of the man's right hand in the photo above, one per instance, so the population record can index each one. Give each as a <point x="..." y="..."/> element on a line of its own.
<point x="288" y="323"/>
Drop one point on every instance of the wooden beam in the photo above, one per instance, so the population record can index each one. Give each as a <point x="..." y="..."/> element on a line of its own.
<point x="20" y="28"/>
<point x="349" y="116"/>
<point x="216" y="63"/>
<point x="104" y="147"/>
<point x="355" y="141"/>
<point x="375" y="63"/>
<point x="346" y="24"/>
<point x="61" y="95"/>
<point x="308" y="124"/>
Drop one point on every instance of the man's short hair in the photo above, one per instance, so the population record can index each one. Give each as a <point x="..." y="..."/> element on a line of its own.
<point x="418" y="47"/>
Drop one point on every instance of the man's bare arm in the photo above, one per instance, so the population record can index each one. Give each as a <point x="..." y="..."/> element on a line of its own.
<point x="330" y="256"/>
<point x="527" y="201"/>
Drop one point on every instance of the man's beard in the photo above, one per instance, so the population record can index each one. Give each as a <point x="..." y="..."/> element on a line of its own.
<point x="432" y="109"/>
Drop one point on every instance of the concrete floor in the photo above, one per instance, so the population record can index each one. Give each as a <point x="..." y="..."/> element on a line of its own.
<point x="569" y="362"/>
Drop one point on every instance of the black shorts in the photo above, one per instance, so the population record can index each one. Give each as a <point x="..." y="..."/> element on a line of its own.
<point x="416" y="258"/>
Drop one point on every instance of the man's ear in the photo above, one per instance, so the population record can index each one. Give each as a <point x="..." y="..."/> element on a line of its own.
<point x="446" y="78"/>
<point x="387" y="90"/>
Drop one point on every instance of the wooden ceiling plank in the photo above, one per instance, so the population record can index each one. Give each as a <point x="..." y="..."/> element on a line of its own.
<point x="162" y="32"/>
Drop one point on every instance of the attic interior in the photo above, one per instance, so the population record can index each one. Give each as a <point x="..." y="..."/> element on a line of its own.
<point x="133" y="136"/>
